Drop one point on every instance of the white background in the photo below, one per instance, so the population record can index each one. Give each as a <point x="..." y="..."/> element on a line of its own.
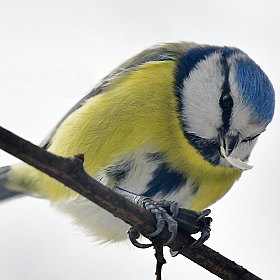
<point x="54" y="52"/>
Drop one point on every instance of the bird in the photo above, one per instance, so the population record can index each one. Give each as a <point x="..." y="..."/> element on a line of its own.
<point x="176" y="122"/>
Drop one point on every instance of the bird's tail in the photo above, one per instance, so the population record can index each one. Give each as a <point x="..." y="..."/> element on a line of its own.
<point x="6" y="193"/>
<point x="22" y="179"/>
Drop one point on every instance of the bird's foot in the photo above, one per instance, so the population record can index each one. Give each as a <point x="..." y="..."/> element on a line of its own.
<point x="189" y="222"/>
<point x="162" y="217"/>
<point x="192" y="222"/>
<point x="168" y="212"/>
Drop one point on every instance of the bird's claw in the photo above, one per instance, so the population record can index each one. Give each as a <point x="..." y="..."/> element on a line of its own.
<point x="133" y="235"/>
<point x="162" y="217"/>
<point x="172" y="205"/>
<point x="193" y="222"/>
<point x="189" y="221"/>
<point x="205" y="233"/>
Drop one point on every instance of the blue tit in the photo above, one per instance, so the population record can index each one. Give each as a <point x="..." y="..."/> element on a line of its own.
<point x="176" y="122"/>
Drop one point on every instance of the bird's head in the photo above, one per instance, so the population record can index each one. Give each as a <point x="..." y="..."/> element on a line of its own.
<point x="225" y="101"/>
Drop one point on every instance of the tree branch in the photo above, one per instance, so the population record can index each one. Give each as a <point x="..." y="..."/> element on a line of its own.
<point x="70" y="172"/>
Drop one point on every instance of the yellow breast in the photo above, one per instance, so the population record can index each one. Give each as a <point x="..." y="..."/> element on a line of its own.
<point x="137" y="111"/>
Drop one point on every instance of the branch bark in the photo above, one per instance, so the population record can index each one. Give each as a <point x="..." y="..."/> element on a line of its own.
<point x="70" y="172"/>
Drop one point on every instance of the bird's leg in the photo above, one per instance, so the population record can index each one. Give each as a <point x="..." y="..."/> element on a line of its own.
<point x="187" y="220"/>
<point x="160" y="213"/>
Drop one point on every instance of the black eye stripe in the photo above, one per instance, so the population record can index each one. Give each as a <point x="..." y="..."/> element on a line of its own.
<point x="225" y="72"/>
<point x="226" y="101"/>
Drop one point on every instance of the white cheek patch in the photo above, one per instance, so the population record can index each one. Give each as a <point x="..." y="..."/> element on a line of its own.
<point x="201" y="93"/>
<point x="236" y="162"/>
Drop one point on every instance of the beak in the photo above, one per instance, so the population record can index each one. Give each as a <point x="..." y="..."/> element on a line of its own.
<point x="229" y="142"/>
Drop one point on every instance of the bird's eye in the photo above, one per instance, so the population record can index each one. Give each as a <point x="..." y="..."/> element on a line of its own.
<point x="226" y="102"/>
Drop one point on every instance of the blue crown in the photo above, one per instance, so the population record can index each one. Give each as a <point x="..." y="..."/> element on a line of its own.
<point x="256" y="89"/>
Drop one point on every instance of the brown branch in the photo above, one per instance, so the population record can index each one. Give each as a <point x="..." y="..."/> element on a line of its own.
<point x="70" y="172"/>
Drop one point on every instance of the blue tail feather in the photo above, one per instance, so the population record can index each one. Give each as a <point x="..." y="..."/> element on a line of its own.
<point x="4" y="192"/>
